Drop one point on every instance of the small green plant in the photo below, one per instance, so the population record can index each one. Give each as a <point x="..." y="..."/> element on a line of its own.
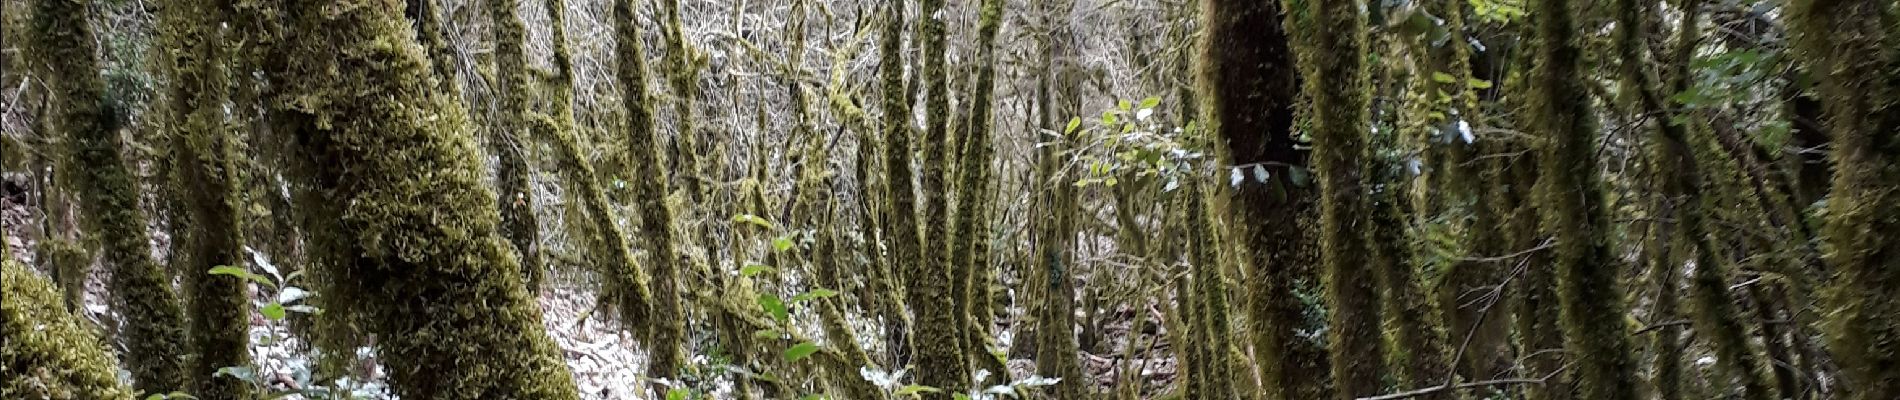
<point x="285" y="298"/>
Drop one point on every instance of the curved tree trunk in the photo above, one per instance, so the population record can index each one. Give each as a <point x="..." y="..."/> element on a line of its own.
<point x="362" y="109"/>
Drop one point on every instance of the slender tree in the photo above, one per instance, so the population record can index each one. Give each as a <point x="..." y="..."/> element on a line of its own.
<point x="89" y="121"/>
<point x="1337" y="82"/>
<point x="1052" y="282"/>
<point x="511" y="142"/>
<point x="941" y="362"/>
<point x="970" y="265"/>
<point x="902" y="235"/>
<point x="667" y="324"/>
<point x="206" y="169"/>
<point x="422" y="247"/>
<point x="1572" y="206"/>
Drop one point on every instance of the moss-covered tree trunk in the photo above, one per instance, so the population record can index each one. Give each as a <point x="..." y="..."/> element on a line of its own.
<point x="1051" y="284"/>
<point x="1248" y="86"/>
<point x="940" y="362"/>
<point x="511" y="143"/>
<point x="974" y="194"/>
<point x="1213" y="327"/>
<point x="437" y="284"/>
<point x="1571" y="202"/>
<point x="1337" y="82"/>
<point x="49" y="352"/>
<point x="1418" y="346"/>
<point x="1853" y="49"/>
<point x="140" y="292"/>
<point x="902" y="235"/>
<point x="669" y="339"/>
<point x="666" y="325"/>
<point x="207" y="181"/>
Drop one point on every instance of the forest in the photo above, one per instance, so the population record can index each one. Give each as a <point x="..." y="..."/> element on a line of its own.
<point x="930" y="199"/>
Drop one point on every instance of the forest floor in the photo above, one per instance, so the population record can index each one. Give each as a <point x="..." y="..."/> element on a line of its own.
<point x="605" y="361"/>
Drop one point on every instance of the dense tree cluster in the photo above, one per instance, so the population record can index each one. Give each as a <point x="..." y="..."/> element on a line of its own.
<point x="885" y="199"/>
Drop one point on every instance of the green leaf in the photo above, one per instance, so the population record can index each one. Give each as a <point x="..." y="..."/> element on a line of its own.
<point x="782" y="243"/>
<point x="1151" y="102"/>
<point x="1441" y="77"/>
<point x="752" y="219"/>
<point x="814" y="294"/>
<point x="775" y="306"/>
<point x="274" y="311"/>
<point x="1478" y="84"/>
<point x="800" y="351"/>
<point x="1074" y="123"/>
<point x="242" y="373"/>
<point x="678" y="394"/>
<point x="752" y="269"/>
<point x="1124" y="105"/>
<point x="767" y="334"/>
<point x="241" y="274"/>
<point x="1108" y="118"/>
<point x="916" y="389"/>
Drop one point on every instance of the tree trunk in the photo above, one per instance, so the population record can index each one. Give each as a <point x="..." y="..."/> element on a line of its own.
<point x="422" y="252"/>
<point x="141" y="293"/>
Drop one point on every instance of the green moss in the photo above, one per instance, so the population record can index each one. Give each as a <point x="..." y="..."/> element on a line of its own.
<point x="108" y="195"/>
<point x="49" y="352"/>
<point x="436" y="283"/>
<point x="207" y="186"/>
<point x="1857" y="61"/>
